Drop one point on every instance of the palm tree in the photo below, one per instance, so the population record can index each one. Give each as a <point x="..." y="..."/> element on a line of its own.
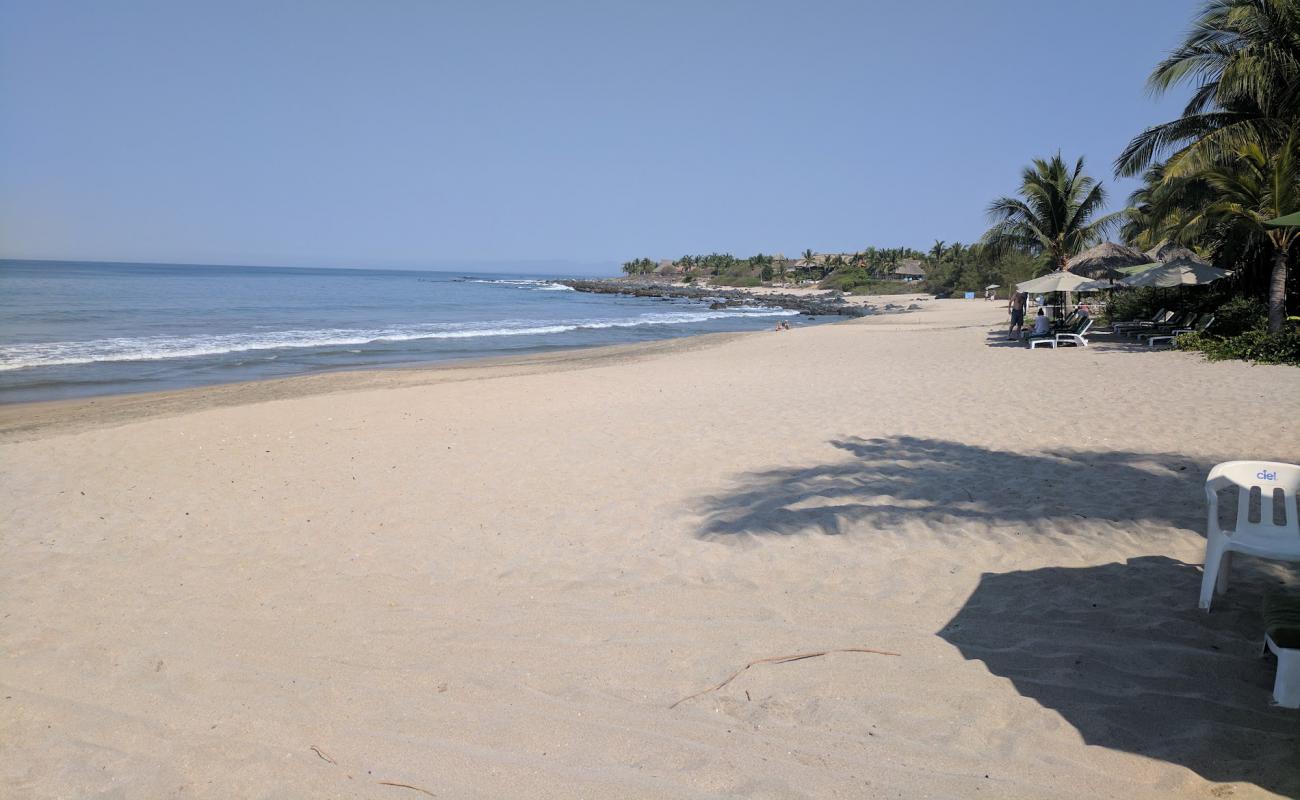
<point x="1256" y="182"/>
<point x="937" y="249"/>
<point x="1057" y="217"/>
<point x="1244" y="58"/>
<point x="808" y="255"/>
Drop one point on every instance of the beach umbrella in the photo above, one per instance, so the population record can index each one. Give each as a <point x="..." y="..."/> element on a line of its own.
<point x="993" y="286"/>
<point x="1097" y="286"/>
<point x="1179" y="272"/>
<point x="1288" y="221"/>
<point x="1105" y="260"/>
<point x="1058" y="281"/>
<point x="1128" y="272"/>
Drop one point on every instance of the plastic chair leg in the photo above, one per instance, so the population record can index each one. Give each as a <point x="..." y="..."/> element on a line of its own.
<point x="1215" y="578"/>
<point x="1225" y="565"/>
<point x="1286" y="688"/>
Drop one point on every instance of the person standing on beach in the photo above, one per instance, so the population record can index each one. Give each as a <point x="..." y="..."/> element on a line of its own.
<point x="1017" y="307"/>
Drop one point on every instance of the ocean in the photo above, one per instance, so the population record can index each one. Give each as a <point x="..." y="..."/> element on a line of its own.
<point x="71" y="329"/>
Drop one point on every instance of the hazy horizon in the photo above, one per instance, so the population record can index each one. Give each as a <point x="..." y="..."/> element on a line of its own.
<point x="478" y="136"/>
<point x="554" y="267"/>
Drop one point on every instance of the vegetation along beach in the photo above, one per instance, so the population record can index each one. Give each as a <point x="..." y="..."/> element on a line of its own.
<point x="869" y="514"/>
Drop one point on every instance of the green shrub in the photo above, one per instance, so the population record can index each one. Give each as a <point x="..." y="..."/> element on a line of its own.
<point x="1256" y="345"/>
<point x="859" y="281"/>
<point x="1239" y="315"/>
<point x="1135" y="304"/>
<point x="741" y="281"/>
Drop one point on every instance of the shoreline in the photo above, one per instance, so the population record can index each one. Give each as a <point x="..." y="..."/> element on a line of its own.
<point x="27" y="389"/>
<point x="25" y="420"/>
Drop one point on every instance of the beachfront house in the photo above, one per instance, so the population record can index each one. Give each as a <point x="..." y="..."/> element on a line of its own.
<point x="909" y="269"/>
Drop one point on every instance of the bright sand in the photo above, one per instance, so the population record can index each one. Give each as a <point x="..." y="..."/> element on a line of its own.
<point x="493" y="581"/>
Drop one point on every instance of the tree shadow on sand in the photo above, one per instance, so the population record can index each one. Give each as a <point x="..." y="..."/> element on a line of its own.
<point x="886" y="482"/>
<point x="1123" y="654"/>
<point x="1120" y="651"/>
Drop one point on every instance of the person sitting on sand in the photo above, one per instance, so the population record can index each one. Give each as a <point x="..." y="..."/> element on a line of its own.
<point x="1042" y="325"/>
<point x="1017" y="306"/>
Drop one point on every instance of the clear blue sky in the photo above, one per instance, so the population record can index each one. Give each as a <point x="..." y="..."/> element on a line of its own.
<point x="444" y="134"/>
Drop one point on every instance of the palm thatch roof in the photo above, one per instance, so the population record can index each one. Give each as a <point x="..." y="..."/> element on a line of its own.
<point x="1105" y="260"/>
<point x="666" y="267"/>
<point x="910" y="267"/>
<point x="1168" y="251"/>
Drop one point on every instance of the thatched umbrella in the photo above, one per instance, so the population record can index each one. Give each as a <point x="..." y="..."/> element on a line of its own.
<point x="1105" y="261"/>
<point x="1168" y="251"/>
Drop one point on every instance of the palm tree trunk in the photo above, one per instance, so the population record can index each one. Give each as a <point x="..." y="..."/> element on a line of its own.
<point x="1277" y="292"/>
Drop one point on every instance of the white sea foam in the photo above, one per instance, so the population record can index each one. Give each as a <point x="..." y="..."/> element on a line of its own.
<point x="532" y="284"/>
<point x="151" y="348"/>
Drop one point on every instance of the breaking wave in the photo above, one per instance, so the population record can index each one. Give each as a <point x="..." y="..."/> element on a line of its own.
<point x="151" y="348"/>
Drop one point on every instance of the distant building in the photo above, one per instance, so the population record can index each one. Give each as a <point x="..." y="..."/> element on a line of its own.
<point x="909" y="269"/>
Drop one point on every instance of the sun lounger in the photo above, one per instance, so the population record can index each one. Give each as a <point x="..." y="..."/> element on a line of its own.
<point x="1267" y="525"/>
<point x="1069" y="322"/>
<point x="1282" y="638"/>
<point x="1077" y="336"/>
<point x="1160" y="316"/>
<point x="1202" y="324"/>
<point x="1179" y="322"/>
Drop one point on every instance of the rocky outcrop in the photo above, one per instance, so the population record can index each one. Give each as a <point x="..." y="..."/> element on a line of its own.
<point x="816" y="305"/>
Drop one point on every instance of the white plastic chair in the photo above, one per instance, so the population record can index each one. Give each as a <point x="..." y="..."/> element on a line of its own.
<point x="1076" y="337"/>
<point x="1275" y="533"/>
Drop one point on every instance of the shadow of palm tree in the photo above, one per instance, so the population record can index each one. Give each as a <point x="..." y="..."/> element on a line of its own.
<point x="884" y="482"/>
<point x="1124" y="655"/>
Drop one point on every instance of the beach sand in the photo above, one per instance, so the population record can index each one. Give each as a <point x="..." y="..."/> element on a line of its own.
<point x="495" y="580"/>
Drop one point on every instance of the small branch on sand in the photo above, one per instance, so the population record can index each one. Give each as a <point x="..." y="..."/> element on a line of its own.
<point x="322" y="754"/>
<point x="781" y="660"/>
<point x="407" y="786"/>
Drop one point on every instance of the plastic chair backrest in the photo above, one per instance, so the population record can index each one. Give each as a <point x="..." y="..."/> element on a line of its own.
<point x="1266" y="491"/>
<point x="1205" y="325"/>
<point x="1083" y="326"/>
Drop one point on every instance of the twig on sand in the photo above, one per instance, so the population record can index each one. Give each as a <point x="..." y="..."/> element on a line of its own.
<point x="322" y="754"/>
<point x="407" y="786"/>
<point x="781" y="660"/>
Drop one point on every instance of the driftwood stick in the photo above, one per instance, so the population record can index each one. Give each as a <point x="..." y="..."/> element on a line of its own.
<point x="407" y="786"/>
<point x="782" y="660"/>
<point x="324" y="756"/>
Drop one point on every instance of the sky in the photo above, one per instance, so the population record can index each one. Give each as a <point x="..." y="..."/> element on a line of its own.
<point x="549" y="135"/>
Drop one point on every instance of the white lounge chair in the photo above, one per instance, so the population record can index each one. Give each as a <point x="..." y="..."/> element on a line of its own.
<point x="1201" y="325"/>
<point x="1123" y="326"/>
<point x="1275" y="531"/>
<point x="1180" y="322"/>
<point x="1078" y="336"/>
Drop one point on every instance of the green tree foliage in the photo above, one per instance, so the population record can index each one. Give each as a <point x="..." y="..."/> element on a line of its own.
<point x="1213" y="176"/>
<point x="1243" y="188"/>
<point x="1242" y="58"/>
<point x="1056" y="215"/>
<point x="639" y="266"/>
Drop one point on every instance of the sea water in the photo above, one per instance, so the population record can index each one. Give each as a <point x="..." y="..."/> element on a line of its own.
<point x="72" y="329"/>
